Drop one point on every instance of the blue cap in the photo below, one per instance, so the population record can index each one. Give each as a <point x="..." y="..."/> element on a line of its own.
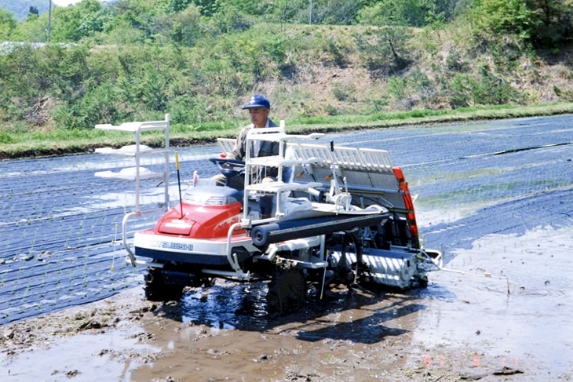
<point x="258" y="101"/>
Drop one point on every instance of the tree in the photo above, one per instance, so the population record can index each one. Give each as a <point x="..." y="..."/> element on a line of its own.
<point x="7" y="24"/>
<point x="508" y="17"/>
<point x="206" y="7"/>
<point x="72" y="23"/>
<point x="175" y="6"/>
<point x="555" y="21"/>
<point x="544" y="23"/>
<point x="386" y="52"/>
<point x="184" y="26"/>
<point x="98" y="21"/>
<point x="416" y="13"/>
<point x="33" y="11"/>
<point x="334" y="11"/>
<point x="33" y="29"/>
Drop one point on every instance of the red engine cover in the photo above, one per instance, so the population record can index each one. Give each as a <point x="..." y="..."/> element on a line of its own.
<point x="201" y="222"/>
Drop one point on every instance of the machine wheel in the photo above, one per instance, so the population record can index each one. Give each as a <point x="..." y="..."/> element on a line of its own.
<point x="342" y="272"/>
<point x="157" y="290"/>
<point x="287" y="291"/>
<point x="421" y="281"/>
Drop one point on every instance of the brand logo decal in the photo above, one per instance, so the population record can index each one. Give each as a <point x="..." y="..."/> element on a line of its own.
<point x="171" y="245"/>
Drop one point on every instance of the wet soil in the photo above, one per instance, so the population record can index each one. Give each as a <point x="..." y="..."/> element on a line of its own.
<point x="496" y="198"/>
<point x="488" y="318"/>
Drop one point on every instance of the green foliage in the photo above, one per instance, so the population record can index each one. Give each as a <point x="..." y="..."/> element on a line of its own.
<point x="98" y="105"/>
<point x="7" y="24"/>
<point x="421" y="85"/>
<point x="397" y="87"/>
<point x="414" y="13"/>
<point x="541" y="22"/>
<point x="111" y="85"/>
<point x="344" y="92"/>
<point x="384" y="52"/>
<point x="32" y="30"/>
<point x="185" y="26"/>
<point x="206" y="7"/>
<point x="6" y="138"/>
<point x="122" y="33"/>
<point x="198" y="59"/>
<point x="24" y="79"/>
<point x="555" y="22"/>
<point x="98" y="21"/>
<point x="455" y="61"/>
<point x="508" y="16"/>
<point x="378" y="103"/>
<point x="212" y="126"/>
<point x="141" y="18"/>
<point x="485" y="90"/>
<point x="563" y="94"/>
<point x="284" y="11"/>
<point x="175" y="6"/>
<point x="341" y="12"/>
<point x="460" y="87"/>
<point x="337" y="52"/>
<point x="230" y="19"/>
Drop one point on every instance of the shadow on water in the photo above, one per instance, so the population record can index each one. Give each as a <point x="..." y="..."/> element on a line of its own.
<point x="360" y="314"/>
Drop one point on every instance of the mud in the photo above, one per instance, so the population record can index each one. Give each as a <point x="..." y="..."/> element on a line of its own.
<point x="502" y="312"/>
<point x="489" y="318"/>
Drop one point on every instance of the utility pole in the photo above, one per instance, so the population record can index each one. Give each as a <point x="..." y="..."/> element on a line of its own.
<point x="310" y="14"/>
<point x="49" y="19"/>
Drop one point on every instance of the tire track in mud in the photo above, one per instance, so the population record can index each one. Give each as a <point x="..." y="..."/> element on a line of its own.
<point x="60" y="226"/>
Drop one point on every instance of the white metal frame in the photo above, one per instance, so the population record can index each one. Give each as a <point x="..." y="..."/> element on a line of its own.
<point x="138" y="151"/>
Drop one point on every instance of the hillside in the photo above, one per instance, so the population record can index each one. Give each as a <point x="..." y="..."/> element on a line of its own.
<point x="21" y="8"/>
<point x="139" y="60"/>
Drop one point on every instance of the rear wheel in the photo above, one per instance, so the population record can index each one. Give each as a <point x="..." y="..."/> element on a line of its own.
<point x="287" y="291"/>
<point x="157" y="290"/>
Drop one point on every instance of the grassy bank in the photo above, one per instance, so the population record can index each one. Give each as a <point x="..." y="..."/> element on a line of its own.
<point x="65" y="142"/>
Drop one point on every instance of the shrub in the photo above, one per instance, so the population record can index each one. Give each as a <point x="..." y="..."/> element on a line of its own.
<point x="397" y="87"/>
<point x="100" y="104"/>
<point x="459" y="88"/>
<point x="343" y="92"/>
<point x="5" y="138"/>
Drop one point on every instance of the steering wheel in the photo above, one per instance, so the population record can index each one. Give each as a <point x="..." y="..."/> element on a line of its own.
<point x="229" y="167"/>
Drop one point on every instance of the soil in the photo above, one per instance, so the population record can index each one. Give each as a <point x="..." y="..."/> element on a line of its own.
<point x="489" y="320"/>
<point x="502" y="311"/>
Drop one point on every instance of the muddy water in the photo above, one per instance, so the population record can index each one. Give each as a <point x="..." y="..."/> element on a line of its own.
<point x="107" y="356"/>
<point x="513" y="302"/>
<point x="504" y="302"/>
<point x="341" y="339"/>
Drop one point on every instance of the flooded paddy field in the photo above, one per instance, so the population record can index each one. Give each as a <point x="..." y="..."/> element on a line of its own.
<point x="496" y="197"/>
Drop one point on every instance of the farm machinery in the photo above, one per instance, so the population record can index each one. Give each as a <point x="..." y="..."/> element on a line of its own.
<point x="334" y="215"/>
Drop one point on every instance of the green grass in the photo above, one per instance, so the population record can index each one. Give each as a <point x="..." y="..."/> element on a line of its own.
<point x="61" y="142"/>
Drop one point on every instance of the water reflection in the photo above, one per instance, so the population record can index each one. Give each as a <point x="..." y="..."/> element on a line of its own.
<point x="363" y="315"/>
<point x="227" y="306"/>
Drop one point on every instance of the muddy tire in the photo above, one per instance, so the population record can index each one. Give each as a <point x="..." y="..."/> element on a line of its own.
<point x="287" y="291"/>
<point x="157" y="290"/>
<point x="421" y="282"/>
